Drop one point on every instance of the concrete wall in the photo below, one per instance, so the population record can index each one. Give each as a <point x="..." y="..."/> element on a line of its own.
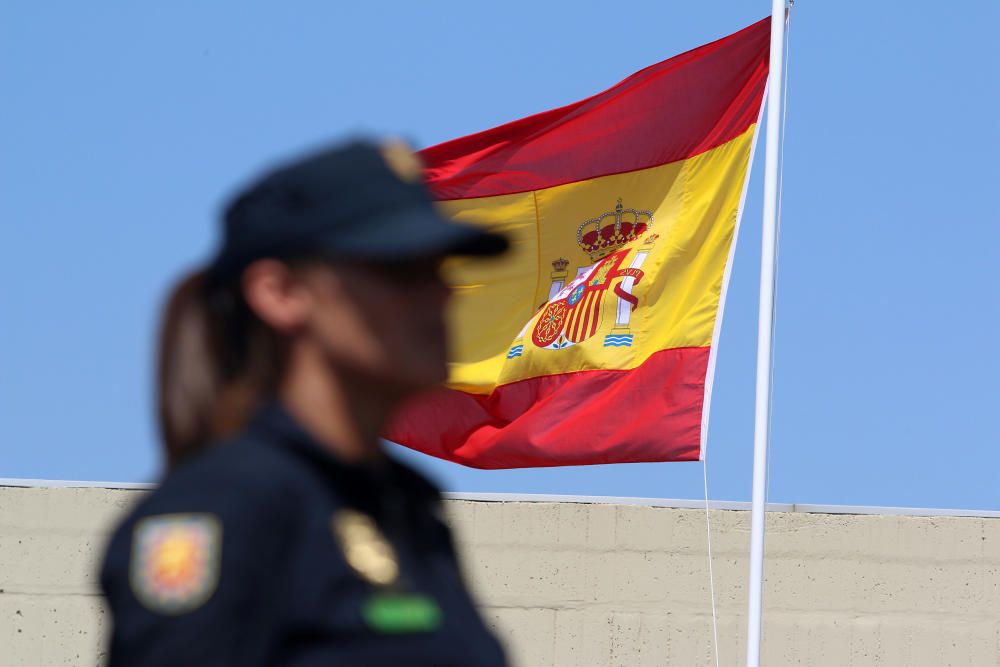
<point x="598" y="584"/>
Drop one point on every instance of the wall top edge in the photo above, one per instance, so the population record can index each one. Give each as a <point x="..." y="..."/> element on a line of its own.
<point x="674" y="503"/>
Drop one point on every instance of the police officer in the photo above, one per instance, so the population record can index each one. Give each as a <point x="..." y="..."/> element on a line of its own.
<point x="282" y="533"/>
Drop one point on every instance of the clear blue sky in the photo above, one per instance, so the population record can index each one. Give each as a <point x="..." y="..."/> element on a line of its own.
<point x="124" y="125"/>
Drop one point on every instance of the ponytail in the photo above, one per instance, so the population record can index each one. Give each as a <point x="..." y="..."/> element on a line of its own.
<point x="217" y="361"/>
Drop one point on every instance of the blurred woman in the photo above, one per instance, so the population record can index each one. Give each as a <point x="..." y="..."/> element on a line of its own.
<point x="282" y="533"/>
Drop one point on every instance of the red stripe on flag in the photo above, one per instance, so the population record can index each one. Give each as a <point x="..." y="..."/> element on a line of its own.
<point x="649" y="413"/>
<point x="670" y="111"/>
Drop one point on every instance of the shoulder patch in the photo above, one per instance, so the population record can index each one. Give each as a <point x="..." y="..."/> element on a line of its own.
<point x="174" y="565"/>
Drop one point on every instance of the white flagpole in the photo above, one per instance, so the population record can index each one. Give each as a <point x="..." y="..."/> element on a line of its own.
<point x="765" y="337"/>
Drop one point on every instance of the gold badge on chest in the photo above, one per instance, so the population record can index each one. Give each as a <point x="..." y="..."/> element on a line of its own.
<point x="366" y="549"/>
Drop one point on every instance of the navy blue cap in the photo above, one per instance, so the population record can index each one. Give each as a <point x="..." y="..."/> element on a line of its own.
<point x="357" y="201"/>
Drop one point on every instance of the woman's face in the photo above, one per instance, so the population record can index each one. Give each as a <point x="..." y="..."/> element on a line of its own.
<point x="384" y="322"/>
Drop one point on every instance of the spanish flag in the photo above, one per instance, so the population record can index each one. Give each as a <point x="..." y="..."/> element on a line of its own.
<point x="593" y="339"/>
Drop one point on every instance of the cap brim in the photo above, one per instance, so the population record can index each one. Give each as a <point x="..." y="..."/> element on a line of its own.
<point x="413" y="234"/>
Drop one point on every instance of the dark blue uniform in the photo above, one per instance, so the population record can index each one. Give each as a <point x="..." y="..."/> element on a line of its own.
<point x="267" y="550"/>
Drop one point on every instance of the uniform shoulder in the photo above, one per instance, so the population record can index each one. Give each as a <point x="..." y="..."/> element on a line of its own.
<point x="245" y="487"/>
<point x="415" y="482"/>
<point x="244" y="473"/>
<point x="246" y="484"/>
<point x="199" y="550"/>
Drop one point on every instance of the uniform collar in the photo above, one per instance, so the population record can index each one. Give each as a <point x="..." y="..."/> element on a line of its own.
<point x="353" y="479"/>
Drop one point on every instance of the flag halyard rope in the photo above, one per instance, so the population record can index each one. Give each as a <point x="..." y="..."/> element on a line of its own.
<point x="711" y="571"/>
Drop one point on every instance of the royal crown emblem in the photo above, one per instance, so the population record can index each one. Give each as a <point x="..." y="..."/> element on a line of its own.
<point x="612" y="230"/>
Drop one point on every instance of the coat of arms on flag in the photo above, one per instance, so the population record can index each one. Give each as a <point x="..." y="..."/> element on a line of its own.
<point x="594" y="340"/>
<point x="574" y="311"/>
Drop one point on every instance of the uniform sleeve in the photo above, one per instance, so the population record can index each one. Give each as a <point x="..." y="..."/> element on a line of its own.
<point x="192" y="579"/>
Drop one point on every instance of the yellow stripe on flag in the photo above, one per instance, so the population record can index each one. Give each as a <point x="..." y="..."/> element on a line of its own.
<point x="693" y="203"/>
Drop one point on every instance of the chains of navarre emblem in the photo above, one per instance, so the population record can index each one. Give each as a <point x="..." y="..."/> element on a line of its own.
<point x="174" y="565"/>
<point x="574" y="311"/>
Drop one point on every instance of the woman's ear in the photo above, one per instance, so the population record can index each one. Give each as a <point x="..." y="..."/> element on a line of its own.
<point x="276" y="295"/>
